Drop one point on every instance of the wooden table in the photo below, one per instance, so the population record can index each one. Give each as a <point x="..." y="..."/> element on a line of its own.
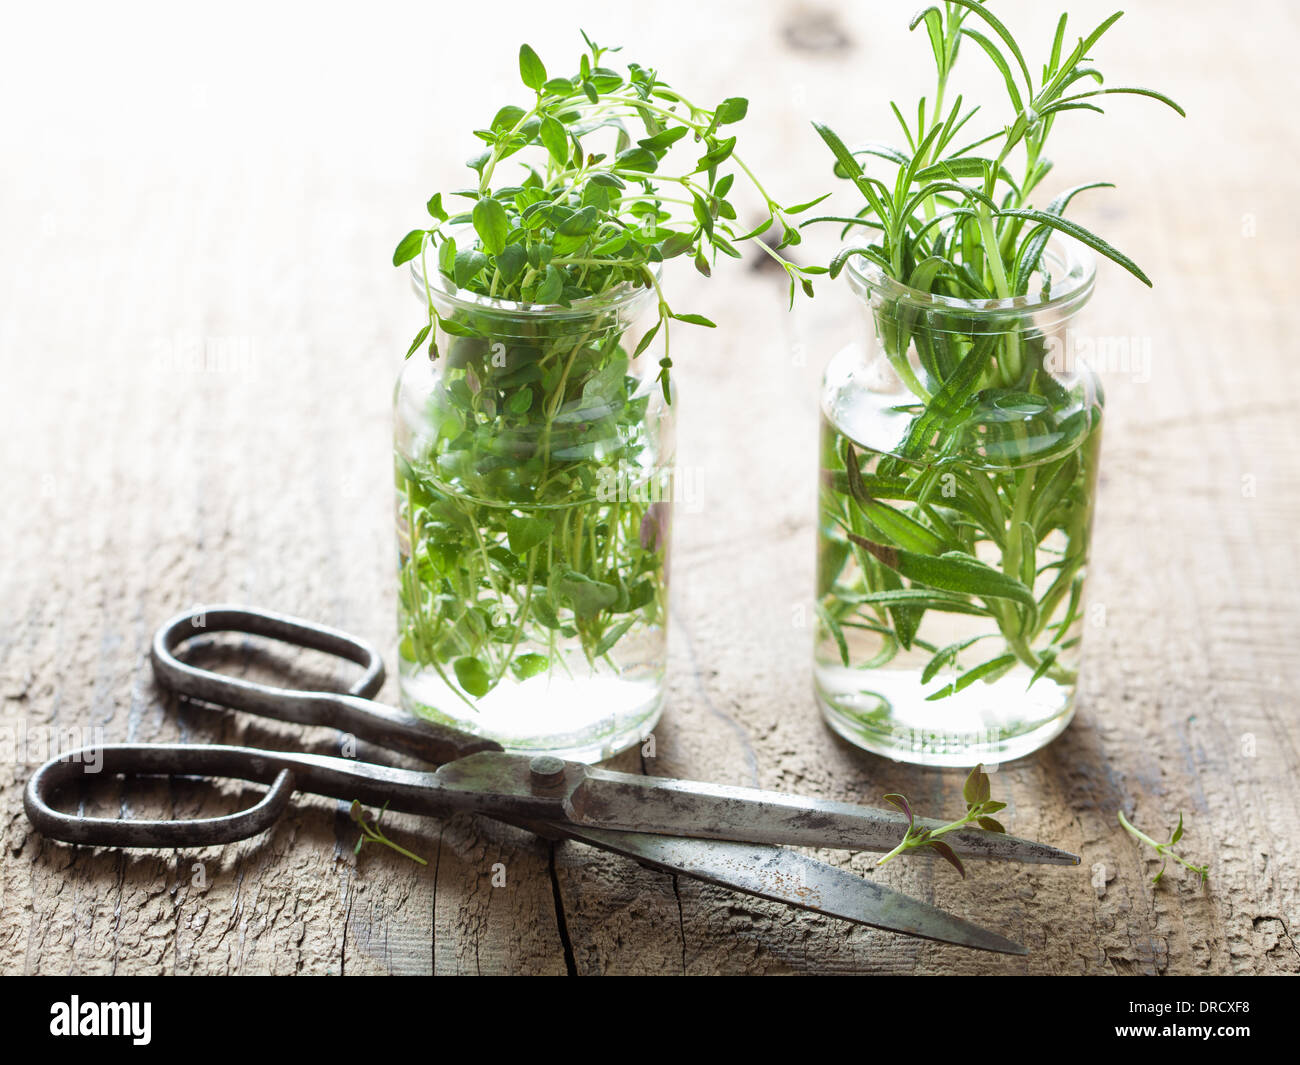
<point x="199" y="339"/>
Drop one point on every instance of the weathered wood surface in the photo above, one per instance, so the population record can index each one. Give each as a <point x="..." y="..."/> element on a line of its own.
<point x="198" y="340"/>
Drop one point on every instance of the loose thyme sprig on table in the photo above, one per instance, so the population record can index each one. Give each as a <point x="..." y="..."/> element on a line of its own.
<point x="979" y="811"/>
<point x="374" y="834"/>
<point x="1165" y="850"/>
<point x="580" y="222"/>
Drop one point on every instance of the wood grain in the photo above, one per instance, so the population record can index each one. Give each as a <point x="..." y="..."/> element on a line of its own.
<point x="199" y="338"/>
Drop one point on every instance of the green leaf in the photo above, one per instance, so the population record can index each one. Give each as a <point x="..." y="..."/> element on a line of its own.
<point x="1178" y="832"/>
<point x="554" y="139"/>
<point x="552" y="286"/>
<point x="455" y="328"/>
<point x="837" y="633"/>
<point x="491" y="224"/>
<point x="612" y="637"/>
<point x="420" y="338"/>
<point x="1077" y="231"/>
<point x="580" y="223"/>
<point x="799" y="208"/>
<point x="435" y="208"/>
<point x="468" y="265"/>
<point x="757" y="231"/>
<point x="695" y="319"/>
<point x="990" y="824"/>
<point x="950" y="572"/>
<point x="943" y="656"/>
<point x="993" y="665"/>
<point x="520" y="402"/>
<point x="511" y="262"/>
<point x="447" y="257"/>
<point x="952" y="398"/>
<point x="948" y="855"/>
<point x="901" y="529"/>
<point x="507" y="118"/>
<point x="732" y="109"/>
<point x="664" y="139"/>
<point x="1000" y="62"/>
<point x="978" y="7"/>
<point x="933" y="18"/>
<point x="866" y="185"/>
<point x="901" y="802"/>
<point x="929" y="599"/>
<point x="717" y="154"/>
<point x="1045" y="663"/>
<point x="529" y="665"/>
<point x="952" y="169"/>
<point x="526" y="533"/>
<point x="647" y="338"/>
<point x="677" y="244"/>
<point x="531" y="69"/>
<point x="409" y="247"/>
<point x="637" y="159"/>
<point x="844" y="254"/>
<point x="589" y="597"/>
<point x="1128" y="90"/>
<point x="473" y="676"/>
<point x="1032" y="249"/>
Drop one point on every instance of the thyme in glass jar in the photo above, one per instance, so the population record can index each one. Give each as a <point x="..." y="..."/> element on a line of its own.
<point x="512" y="542"/>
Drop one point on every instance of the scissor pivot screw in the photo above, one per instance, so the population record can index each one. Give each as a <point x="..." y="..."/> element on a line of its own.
<point x="547" y="770"/>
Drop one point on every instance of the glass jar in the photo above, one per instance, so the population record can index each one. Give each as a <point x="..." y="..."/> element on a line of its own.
<point x="959" y="452"/>
<point x="533" y="458"/>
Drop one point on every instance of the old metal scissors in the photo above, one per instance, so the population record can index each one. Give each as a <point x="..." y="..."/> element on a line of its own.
<point x="731" y="836"/>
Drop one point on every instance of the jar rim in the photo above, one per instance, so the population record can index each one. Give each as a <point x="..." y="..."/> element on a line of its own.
<point x="442" y="287"/>
<point x="1072" y="284"/>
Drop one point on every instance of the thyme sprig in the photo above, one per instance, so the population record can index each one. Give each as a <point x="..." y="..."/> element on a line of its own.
<point x="579" y="221"/>
<point x="980" y="809"/>
<point x="1165" y="850"/>
<point x="374" y="833"/>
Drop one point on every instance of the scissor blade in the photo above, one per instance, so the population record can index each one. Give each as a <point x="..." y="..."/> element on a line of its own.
<point x="783" y="876"/>
<point x="661" y="805"/>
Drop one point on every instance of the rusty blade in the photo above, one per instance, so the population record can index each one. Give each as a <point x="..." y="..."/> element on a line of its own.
<point x="783" y="876"/>
<point x="624" y="801"/>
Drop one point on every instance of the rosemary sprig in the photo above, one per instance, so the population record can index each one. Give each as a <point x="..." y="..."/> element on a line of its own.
<point x="373" y="832"/>
<point x="954" y="220"/>
<point x="1165" y="850"/>
<point x="984" y="506"/>
<point x="980" y="809"/>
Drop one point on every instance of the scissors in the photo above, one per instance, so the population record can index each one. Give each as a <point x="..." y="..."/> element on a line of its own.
<point x="734" y="837"/>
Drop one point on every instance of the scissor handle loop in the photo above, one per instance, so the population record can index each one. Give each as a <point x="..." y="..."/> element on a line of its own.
<point x="205" y="684"/>
<point x="350" y="711"/>
<point x="156" y="760"/>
